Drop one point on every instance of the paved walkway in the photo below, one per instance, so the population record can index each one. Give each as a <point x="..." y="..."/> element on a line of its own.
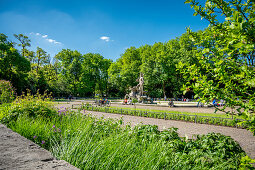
<point x="242" y="136"/>
<point x="152" y="107"/>
<point x="17" y="152"/>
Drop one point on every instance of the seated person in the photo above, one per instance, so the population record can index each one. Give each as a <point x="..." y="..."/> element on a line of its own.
<point x="214" y="102"/>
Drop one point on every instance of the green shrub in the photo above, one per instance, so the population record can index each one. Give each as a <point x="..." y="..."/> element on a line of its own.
<point x="7" y="92"/>
<point x="32" y="106"/>
<point x="90" y="143"/>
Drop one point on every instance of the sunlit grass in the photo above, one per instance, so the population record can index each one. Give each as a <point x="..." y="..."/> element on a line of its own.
<point x="222" y="115"/>
<point x="91" y="143"/>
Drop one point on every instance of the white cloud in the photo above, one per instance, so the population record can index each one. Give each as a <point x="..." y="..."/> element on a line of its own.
<point x="53" y="41"/>
<point x="50" y="40"/>
<point x="104" y="38"/>
<point x="46" y="38"/>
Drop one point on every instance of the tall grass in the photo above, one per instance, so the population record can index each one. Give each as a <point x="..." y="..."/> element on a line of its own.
<point x="90" y="143"/>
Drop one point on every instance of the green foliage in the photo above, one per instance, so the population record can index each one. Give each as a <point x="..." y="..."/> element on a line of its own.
<point x="7" y="92"/>
<point x="246" y="163"/>
<point x="226" y="55"/>
<point x="29" y="105"/>
<point x="134" y="100"/>
<point x="90" y="143"/>
<point x="84" y="74"/>
<point x="157" y="63"/>
<point x="95" y="74"/>
<point x="13" y="66"/>
<point x="24" y="41"/>
<point x="203" y="119"/>
<point x="124" y="72"/>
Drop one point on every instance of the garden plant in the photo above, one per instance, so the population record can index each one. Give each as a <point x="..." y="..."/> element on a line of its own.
<point x="90" y="143"/>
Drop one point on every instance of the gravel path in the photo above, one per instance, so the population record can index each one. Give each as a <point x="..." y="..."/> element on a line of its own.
<point x="17" y="152"/>
<point x="244" y="137"/>
<point x="155" y="107"/>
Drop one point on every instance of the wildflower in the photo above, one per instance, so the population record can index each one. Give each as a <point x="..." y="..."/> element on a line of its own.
<point x="34" y="137"/>
<point x="59" y="130"/>
<point x="43" y="142"/>
<point x="60" y="112"/>
<point x="53" y="126"/>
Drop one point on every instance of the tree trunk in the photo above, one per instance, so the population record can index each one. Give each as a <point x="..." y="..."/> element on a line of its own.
<point x="23" y="51"/>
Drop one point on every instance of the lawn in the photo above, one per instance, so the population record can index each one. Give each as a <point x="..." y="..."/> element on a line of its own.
<point x="186" y="113"/>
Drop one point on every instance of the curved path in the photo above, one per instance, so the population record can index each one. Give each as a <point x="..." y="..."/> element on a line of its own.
<point x="244" y="137"/>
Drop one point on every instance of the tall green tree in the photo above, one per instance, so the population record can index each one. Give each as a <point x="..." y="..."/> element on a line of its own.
<point x="71" y="68"/>
<point x="13" y="66"/>
<point x="126" y="70"/>
<point x="226" y="54"/>
<point x="95" y="74"/>
<point x="24" y="42"/>
<point x="41" y="58"/>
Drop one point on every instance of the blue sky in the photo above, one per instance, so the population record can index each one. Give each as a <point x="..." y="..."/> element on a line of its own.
<point x="107" y="27"/>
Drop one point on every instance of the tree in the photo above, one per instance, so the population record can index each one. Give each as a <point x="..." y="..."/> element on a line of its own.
<point x="13" y="66"/>
<point x="24" y="42"/>
<point x="41" y="58"/>
<point x="226" y="54"/>
<point x="125" y="71"/>
<point x="70" y="67"/>
<point x="95" y="74"/>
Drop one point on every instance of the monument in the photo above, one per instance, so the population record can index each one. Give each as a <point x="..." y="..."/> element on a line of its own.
<point x="137" y="91"/>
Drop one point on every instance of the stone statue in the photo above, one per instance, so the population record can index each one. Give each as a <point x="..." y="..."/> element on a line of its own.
<point x="140" y="85"/>
<point x="137" y="92"/>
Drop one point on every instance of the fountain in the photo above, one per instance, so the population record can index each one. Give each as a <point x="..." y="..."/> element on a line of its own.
<point x="138" y="93"/>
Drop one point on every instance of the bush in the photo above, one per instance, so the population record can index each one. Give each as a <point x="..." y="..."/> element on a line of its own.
<point x="7" y="93"/>
<point x="29" y="105"/>
<point x="90" y="143"/>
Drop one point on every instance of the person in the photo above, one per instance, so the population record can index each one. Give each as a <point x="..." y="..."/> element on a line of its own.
<point x="125" y="101"/>
<point x="214" y="102"/>
<point x="198" y="102"/>
<point x="221" y="102"/>
<point x="70" y="97"/>
<point x="171" y="103"/>
<point x="129" y="102"/>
